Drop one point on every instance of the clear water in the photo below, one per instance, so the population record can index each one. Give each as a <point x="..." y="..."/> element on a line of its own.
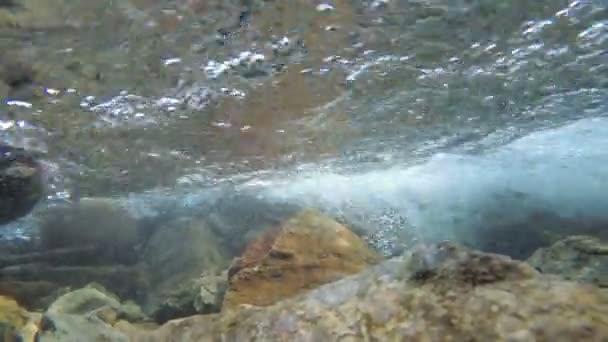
<point x="411" y="120"/>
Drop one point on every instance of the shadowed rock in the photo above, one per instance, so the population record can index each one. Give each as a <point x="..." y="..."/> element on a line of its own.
<point x="21" y="184"/>
<point x="173" y="259"/>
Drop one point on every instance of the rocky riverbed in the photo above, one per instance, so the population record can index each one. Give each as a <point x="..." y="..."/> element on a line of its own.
<point x="309" y="278"/>
<point x="303" y="170"/>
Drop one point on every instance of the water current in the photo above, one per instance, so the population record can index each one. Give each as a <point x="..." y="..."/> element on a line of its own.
<point x="409" y="119"/>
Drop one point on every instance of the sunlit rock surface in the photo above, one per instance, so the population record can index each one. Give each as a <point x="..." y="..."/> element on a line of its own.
<point x="85" y="314"/>
<point x="441" y="291"/>
<point x="580" y="258"/>
<point x="94" y="299"/>
<point x="305" y="252"/>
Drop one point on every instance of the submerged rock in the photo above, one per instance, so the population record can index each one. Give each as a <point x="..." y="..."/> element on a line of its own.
<point x="440" y="292"/>
<point x="87" y="314"/>
<point x="211" y="290"/>
<point x="21" y="184"/>
<point x="581" y="258"/>
<point x="75" y="328"/>
<point x="198" y="296"/>
<point x="305" y="252"/>
<point x="100" y="223"/>
<point x="94" y="299"/>
<point x="124" y="281"/>
<point x="174" y="257"/>
<point x="33" y="295"/>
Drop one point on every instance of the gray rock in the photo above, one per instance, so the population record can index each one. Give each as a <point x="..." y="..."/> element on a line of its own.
<point x="203" y="295"/>
<point x="174" y="257"/>
<point x="581" y="258"/>
<point x="211" y="288"/>
<point x="92" y="298"/>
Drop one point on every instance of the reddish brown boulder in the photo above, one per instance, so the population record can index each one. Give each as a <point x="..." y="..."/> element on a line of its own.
<point x="305" y="252"/>
<point x="439" y="292"/>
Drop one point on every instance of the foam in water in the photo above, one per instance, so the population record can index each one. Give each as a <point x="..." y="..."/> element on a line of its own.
<point x="561" y="172"/>
<point x="550" y="178"/>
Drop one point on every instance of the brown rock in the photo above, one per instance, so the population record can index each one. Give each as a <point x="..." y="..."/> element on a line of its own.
<point x="16" y="324"/>
<point x="490" y="298"/>
<point x="305" y="252"/>
<point x="11" y="313"/>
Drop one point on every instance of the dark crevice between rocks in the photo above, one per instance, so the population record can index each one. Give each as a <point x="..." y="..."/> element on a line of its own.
<point x="168" y="312"/>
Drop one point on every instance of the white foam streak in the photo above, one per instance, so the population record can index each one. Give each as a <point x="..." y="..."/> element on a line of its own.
<point x="563" y="171"/>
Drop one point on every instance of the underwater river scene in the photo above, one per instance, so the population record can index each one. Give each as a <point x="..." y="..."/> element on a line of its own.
<point x="303" y="170"/>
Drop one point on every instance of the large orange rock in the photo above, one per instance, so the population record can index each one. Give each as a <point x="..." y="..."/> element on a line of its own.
<point x="305" y="252"/>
